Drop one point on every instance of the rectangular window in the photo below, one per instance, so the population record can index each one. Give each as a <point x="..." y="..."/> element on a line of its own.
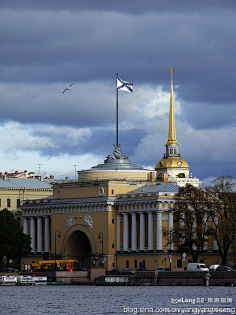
<point x="113" y="245"/>
<point x="179" y="263"/>
<point x="127" y="264"/>
<point x="18" y="202"/>
<point x="135" y="264"/>
<point x="112" y="191"/>
<point x="113" y="221"/>
<point x="8" y="203"/>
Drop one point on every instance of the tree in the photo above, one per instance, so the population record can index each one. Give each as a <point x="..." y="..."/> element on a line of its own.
<point x="14" y="244"/>
<point x="223" y="213"/>
<point x="190" y="216"/>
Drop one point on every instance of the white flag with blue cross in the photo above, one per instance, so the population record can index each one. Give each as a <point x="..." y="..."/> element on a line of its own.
<point x="124" y="86"/>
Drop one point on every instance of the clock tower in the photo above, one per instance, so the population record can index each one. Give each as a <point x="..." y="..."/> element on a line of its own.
<point x="172" y="168"/>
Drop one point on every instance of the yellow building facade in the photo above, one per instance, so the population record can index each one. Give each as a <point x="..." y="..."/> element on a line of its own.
<point x="13" y="191"/>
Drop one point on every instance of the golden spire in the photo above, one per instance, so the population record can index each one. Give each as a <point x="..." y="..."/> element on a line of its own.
<point x="171" y="130"/>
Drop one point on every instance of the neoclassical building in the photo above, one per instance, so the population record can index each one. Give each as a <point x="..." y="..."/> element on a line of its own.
<point x="115" y="213"/>
<point x="14" y="190"/>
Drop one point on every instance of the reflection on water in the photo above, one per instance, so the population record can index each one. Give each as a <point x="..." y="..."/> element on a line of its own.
<point x="76" y="300"/>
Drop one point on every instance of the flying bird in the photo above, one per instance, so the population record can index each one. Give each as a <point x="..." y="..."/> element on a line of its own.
<point x="68" y="88"/>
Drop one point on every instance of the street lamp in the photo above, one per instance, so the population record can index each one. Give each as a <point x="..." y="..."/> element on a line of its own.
<point x="100" y="237"/>
<point x="59" y="235"/>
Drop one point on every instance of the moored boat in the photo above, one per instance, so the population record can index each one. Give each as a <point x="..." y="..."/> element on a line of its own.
<point x="25" y="280"/>
<point x="31" y="280"/>
<point x="8" y="280"/>
<point x="40" y="280"/>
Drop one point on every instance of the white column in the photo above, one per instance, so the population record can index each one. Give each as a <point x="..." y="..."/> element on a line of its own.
<point x="117" y="231"/>
<point x="39" y="234"/>
<point x="125" y="233"/>
<point x="159" y="231"/>
<point x="32" y="233"/>
<point x="170" y="226"/>
<point x="46" y="234"/>
<point x="25" y="225"/>
<point x="150" y="230"/>
<point x="142" y="231"/>
<point x="134" y="232"/>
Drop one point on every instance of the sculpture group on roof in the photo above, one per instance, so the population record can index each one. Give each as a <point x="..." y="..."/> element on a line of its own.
<point x="117" y="154"/>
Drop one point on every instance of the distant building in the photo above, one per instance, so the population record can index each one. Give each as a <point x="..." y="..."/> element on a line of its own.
<point x="24" y="174"/>
<point x="14" y="190"/>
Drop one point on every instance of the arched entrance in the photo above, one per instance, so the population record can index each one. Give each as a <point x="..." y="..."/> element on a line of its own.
<point x="79" y="245"/>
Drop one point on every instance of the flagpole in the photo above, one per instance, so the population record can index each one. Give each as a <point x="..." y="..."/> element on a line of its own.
<point x="116" y="111"/>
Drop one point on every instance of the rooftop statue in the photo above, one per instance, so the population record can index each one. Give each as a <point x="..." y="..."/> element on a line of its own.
<point x="117" y="154"/>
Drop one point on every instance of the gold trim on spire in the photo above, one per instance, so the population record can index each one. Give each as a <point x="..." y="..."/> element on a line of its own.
<point x="171" y="130"/>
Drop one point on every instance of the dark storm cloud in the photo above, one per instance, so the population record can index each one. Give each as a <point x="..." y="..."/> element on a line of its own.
<point x="46" y="45"/>
<point x="51" y="46"/>
<point x="215" y="116"/>
<point x="135" y="6"/>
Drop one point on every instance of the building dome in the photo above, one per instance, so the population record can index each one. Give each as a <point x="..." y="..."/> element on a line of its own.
<point x="117" y="166"/>
<point x="171" y="162"/>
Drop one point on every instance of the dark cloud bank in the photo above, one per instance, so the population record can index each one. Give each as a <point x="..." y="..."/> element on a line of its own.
<point x="48" y="44"/>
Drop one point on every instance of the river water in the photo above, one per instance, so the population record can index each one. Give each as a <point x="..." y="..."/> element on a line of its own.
<point x="76" y="300"/>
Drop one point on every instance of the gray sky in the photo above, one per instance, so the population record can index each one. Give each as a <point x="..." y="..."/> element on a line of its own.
<point x="46" y="45"/>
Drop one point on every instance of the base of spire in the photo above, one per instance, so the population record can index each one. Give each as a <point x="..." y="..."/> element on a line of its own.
<point x="171" y="142"/>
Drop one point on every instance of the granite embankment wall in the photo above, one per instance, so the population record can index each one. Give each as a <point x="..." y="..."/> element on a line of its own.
<point x="166" y="278"/>
<point x="191" y="278"/>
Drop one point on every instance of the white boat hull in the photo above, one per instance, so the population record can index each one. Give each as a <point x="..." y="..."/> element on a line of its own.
<point x="29" y="280"/>
<point x="8" y="280"/>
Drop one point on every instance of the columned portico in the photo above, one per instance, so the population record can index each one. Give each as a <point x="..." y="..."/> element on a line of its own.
<point x="138" y="235"/>
<point x="40" y="242"/>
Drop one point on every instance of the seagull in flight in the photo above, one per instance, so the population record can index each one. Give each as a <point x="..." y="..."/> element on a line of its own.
<point x="68" y="88"/>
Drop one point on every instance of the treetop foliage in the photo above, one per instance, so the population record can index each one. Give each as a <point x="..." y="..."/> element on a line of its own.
<point x="13" y="242"/>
